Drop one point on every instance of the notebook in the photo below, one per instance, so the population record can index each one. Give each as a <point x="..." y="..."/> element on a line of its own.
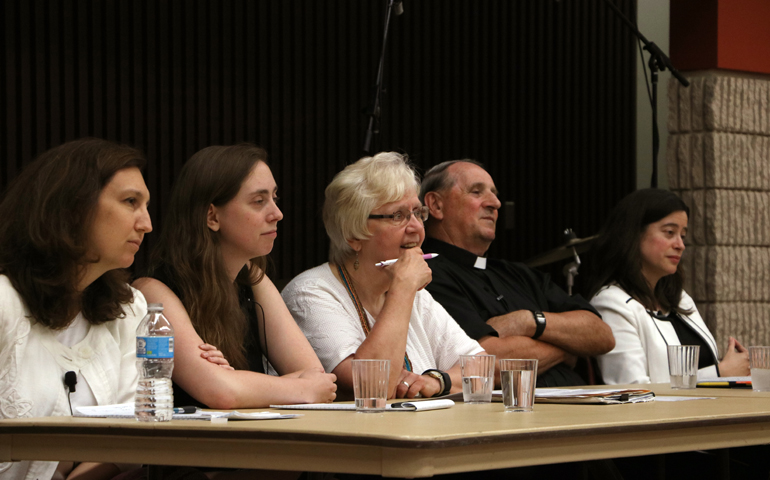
<point x="725" y="382"/>
<point x="606" y="396"/>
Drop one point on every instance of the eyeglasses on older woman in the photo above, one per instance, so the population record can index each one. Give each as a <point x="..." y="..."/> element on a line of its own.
<point x="400" y="218"/>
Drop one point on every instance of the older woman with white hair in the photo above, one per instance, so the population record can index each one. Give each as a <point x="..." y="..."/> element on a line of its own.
<point x="351" y="308"/>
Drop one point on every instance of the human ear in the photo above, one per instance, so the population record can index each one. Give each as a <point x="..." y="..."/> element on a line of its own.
<point x="355" y="244"/>
<point x="212" y="219"/>
<point x="435" y="203"/>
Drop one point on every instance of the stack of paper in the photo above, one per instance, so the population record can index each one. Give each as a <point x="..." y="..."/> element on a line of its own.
<point x="579" y="395"/>
<point x="593" y="395"/>
<point x="725" y="382"/>
<point x="126" y="410"/>
<point x="417" y="406"/>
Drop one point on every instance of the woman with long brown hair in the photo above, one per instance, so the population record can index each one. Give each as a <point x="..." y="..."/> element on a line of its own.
<point x="637" y="285"/>
<point x="71" y="224"/>
<point x="208" y="271"/>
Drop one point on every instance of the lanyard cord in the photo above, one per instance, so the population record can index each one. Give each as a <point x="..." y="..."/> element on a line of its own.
<point x="360" y="309"/>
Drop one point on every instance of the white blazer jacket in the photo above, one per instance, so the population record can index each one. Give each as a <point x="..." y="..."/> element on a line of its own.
<point x="640" y="354"/>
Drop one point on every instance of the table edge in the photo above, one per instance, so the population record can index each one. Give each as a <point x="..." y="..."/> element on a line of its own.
<point x="391" y="442"/>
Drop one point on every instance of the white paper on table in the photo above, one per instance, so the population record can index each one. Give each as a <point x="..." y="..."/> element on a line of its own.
<point x="421" y="405"/>
<point x="576" y="392"/>
<point x="120" y="410"/>
<point x="607" y="396"/>
<point x="126" y="410"/>
<point x="407" y="406"/>
<point x="236" y="415"/>
<point x="317" y="406"/>
<point x="670" y="398"/>
<point x="725" y="379"/>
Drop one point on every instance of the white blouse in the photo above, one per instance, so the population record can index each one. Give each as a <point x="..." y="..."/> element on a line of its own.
<point x="327" y="316"/>
<point x="33" y="363"/>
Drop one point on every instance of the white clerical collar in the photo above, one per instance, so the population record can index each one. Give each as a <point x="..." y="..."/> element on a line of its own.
<point x="481" y="263"/>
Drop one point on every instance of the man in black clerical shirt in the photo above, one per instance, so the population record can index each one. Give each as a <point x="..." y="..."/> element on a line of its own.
<point x="512" y="310"/>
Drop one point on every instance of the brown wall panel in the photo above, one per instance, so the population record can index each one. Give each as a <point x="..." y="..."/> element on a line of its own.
<point x="542" y="91"/>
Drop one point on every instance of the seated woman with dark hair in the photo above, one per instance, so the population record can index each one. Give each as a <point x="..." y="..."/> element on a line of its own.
<point x="209" y="273"/>
<point x="72" y="222"/>
<point x="636" y="285"/>
<point x="350" y="308"/>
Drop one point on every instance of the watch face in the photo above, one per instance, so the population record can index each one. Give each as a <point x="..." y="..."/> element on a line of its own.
<point x="442" y="383"/>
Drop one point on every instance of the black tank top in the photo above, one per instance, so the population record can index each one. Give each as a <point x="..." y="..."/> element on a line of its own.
<point x="253" y="349"/>
<point x="688" y="336"/>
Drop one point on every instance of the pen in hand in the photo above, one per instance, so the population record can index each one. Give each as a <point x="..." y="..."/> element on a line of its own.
<point x="385" y="263"/>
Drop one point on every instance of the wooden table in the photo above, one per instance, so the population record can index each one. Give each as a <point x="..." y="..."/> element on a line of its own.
<point x="406" y="444"/>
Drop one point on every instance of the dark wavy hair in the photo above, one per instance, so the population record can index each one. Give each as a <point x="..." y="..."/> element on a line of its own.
<point x="46" y="213"/>
<point x="616" y="256"/>
<point x="188" y="251"/>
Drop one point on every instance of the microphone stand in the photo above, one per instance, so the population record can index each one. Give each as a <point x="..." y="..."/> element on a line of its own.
<point x="571" y="270"/>
<point x="373" y="131"/>
<point x="658" y="62"/>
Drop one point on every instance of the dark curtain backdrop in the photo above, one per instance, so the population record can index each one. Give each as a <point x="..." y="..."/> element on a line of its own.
<point x="541" y="91"/>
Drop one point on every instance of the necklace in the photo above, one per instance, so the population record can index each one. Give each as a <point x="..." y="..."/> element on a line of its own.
<point x="360" y="308"/>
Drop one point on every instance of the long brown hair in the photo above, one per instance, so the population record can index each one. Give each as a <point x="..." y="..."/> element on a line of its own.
<point x="616" y="257"/>
<point x="188" y="251"/>
<point x="45" y="215"/>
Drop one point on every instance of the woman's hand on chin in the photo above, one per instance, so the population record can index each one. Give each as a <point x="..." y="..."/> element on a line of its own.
<point x="411" y="270"/>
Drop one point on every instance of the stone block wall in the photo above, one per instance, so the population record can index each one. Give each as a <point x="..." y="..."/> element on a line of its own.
<point x="718" y="160"/>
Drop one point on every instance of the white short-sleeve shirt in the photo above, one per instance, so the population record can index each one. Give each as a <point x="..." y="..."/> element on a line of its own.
<point x="327" y="316"/>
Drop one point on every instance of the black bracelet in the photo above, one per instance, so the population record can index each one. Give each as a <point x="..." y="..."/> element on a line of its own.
<point x="445" y="380"/>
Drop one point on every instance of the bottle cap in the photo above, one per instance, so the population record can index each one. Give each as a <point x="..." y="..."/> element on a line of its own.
<point x="154" y="307"/>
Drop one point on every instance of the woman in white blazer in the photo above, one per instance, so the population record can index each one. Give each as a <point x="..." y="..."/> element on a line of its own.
<point x="636" y="285"/>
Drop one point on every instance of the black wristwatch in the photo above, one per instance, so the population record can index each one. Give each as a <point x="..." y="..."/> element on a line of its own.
<point x="540" y="321"/>
<point x="443" y="379"/>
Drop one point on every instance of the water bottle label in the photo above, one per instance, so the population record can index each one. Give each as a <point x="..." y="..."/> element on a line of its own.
<point x="155" y="347"/>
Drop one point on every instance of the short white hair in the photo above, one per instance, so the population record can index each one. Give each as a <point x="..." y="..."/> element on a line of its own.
<point x="359" y="189"/>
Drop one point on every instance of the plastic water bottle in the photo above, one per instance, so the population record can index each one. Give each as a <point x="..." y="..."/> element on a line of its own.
<point x="154" y="401"/>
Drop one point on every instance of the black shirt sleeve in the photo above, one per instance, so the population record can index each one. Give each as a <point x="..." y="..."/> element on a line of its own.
<point x="451" y="292"/>
<point x="558" y="300"/>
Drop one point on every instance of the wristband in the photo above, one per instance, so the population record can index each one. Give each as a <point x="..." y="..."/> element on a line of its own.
<point x="540" y="322"/>
<point x="443" y="379"/>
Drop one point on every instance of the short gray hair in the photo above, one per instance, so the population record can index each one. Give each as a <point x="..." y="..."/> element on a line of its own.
<point x="356" y="191"/>
<point x="438" y="180"/>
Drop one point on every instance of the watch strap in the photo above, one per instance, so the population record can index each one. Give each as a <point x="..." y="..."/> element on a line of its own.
<point x="540" y="323"/>
<point x="443" y="378"/>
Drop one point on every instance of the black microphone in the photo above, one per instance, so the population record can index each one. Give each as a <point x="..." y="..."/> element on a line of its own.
<point x="398" y="7"/>
<point x="70" y="380"/>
